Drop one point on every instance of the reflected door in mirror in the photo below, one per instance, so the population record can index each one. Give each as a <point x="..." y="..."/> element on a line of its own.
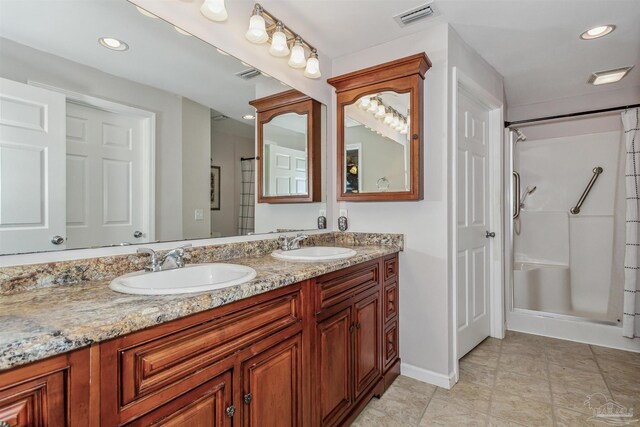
<point x="285" y="155"/>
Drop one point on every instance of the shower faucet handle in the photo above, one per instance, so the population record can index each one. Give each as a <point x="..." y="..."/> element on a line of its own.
<point x="490" y="234"/>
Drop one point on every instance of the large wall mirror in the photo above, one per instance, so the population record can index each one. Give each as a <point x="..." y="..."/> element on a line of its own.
<point x="118" y="128"/>
<point x="380" y="115"/>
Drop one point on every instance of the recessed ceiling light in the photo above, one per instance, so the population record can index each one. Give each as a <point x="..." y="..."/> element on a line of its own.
<point x="248" y="117"/>
<point x="113" y="44"/>
<point x="597" y="32"/>
<point x="181" y="31"/>
<point x="609" y="76"/>
<point x="146" y="12"/>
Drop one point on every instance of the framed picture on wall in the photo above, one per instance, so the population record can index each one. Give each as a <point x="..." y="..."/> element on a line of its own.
<point x="215" y="188"/>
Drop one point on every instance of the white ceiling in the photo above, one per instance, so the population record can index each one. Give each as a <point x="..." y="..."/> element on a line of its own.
<point x="534" y="44"/>
<point x="158" y="55"/>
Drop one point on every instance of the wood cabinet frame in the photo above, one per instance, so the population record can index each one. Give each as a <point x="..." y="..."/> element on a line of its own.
<point x="404" y="75"/>
<point x="292" y="101"/>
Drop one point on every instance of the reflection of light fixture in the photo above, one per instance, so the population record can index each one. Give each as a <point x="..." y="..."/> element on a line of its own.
<point x="597" y="32"/>
<point x="395" y="121"/>
<point x="363" y="103"/>
<point x="609" y="76"/>
<point x="381" y="112"/>
<point x="279" y="45"/>
<point x="404" y="130"/>
<point x="248" y="117"/>
<point x="181" y="31"/>
<point x="388" y="118"/>
<point x="113" y="44"/>
<point x="264" y="26"/>
<point x="313" y="66"/>
<point x="297" y="59"/>
<point x="214" y="10"/>
<point x="373" y="106"/>
<point x="146" y="13"/>
<point x="257" y="32"/>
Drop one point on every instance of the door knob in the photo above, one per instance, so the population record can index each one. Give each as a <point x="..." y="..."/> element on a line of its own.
<point x="490" y="234"/>
<point x="137" y="234"/>
<point x="57" y="240"/>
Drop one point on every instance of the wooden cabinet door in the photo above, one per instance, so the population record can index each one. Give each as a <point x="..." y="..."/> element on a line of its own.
<point x="366" y="342"/>
<point x="208" y="405"/>
<point x="334" y="365"/>
<point x="272" y="384"/>
<point x="36" y="403"/>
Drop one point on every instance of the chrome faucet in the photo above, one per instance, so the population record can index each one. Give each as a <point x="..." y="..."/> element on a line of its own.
<point x="287" y="244"/>
<point x="174" y="255"/>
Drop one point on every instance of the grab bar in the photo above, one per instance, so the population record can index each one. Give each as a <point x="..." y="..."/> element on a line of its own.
<point x="516" y="196"/>
<point x="596" y="173"/>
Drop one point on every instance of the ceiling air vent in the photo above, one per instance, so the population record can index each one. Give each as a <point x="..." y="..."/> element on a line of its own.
<point x="416" y="14"/>
<point x="249" y="73"/>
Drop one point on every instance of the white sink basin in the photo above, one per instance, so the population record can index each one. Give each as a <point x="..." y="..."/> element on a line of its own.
<point x="314" y="253"/>
<point x="192" y="278"/>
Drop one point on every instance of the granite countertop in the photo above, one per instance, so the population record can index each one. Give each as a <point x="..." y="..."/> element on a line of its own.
<point x="40" y="323"/>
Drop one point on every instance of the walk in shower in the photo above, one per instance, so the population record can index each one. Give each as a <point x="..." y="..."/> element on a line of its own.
<point x="567" y="234"/>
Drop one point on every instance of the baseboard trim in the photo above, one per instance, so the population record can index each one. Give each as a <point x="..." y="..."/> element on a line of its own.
<point x="435" y="378"/>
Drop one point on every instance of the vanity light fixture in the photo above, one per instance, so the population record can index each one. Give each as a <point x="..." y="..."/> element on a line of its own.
<point x="382" y="111"/>
<point x="298" y="58"/>
<point x="248" y="117"/>
<point x="373" y="106"/>
<point x="279" y="46"/>
<point x="597" y="32"/>
<point x="363" y="103"/>
<point x="609" y="76"/>
<point x="214" y="10"/>
<point x="264" y="27"/>
<point x="113" y="44"/>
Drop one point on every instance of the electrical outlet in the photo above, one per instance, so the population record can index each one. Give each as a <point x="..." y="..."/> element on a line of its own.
<point x="199" y="214"/>
<point x="344" y="213"/>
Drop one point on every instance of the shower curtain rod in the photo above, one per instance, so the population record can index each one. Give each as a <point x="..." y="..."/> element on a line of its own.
<point x="564" y="116"/>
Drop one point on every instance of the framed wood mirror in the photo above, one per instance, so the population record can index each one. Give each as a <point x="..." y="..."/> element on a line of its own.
<point x="289" y="145"/>
<point x="380" y="131"/>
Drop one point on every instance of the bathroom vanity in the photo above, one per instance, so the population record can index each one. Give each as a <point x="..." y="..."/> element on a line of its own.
<point x="308" y="353"/>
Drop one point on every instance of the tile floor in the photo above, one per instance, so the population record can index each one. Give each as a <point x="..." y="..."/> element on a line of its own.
<point x="523" y="380"/>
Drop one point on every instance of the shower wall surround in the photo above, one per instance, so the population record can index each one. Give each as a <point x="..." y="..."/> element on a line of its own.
<point x="549" y="234"/>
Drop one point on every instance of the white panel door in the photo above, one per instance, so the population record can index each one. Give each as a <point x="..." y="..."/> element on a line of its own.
<point x="287" y="171"/>
<point x="104" y="177"/>
<point x="473" y="257"/>
<point x="32" y="171"/>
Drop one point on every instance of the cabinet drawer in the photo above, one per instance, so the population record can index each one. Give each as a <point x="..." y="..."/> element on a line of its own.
<point x="390" y="301"/>
<point x="161" y="363"/>
<point x="390" y="344"/>
<point x="391" y="268"/>
<point x="336" y="287"/>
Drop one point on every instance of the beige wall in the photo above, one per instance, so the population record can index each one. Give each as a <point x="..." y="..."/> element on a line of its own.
<point x="196" y="152"/>
<point x="230" y="140"/>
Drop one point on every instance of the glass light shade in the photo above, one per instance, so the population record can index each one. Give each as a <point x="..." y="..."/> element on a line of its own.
<point x="381" y="112"/>
<point x="297" y="59"/>
<point x="400" y="125"/>
<point x="388" y="118"/>
<point x="364" y="102"/>
<point x="257" y="32"/>
<point x="313" y="67"/>
<point x="404" y="130"/>
<point x="395" y="122"/>
<point x="373" y="106"/>
<point x="214" y="10"/>
<point x="279" y="45"/>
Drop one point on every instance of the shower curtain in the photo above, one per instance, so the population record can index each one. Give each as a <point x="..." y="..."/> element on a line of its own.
<point x="631" y="316"/>
<point x="247" y="197"/>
